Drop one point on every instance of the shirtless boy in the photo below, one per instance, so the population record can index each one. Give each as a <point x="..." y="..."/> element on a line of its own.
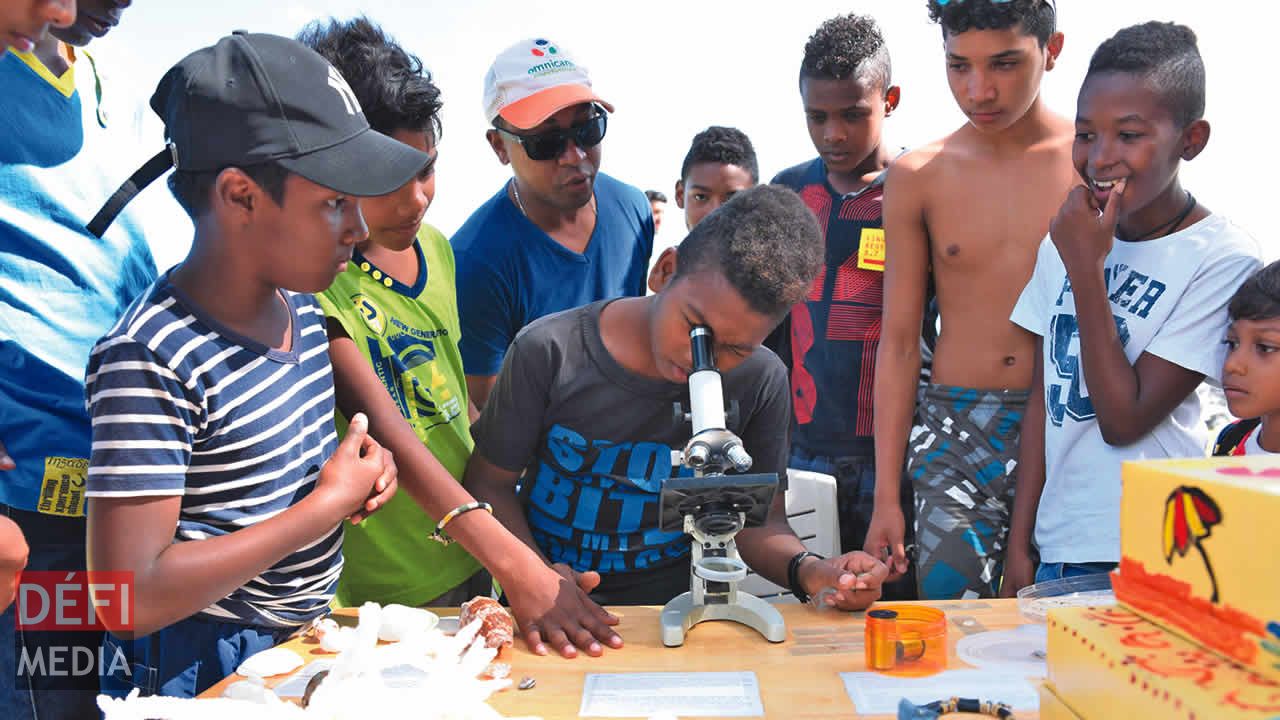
<point x="972" y="209"/>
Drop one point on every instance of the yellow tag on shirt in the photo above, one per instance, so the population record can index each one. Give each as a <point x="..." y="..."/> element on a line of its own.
<point x="62" y="492"/>
<point x="871" y="249"/>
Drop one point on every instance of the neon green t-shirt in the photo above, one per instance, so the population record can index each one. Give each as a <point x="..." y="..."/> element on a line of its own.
<point x="410" y="337"/>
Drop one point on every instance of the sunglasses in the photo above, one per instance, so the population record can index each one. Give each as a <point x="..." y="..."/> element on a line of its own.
<point x="549" y="144"/>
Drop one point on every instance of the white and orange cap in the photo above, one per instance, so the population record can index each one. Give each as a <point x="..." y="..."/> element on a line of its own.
<point x="533" y="80"/>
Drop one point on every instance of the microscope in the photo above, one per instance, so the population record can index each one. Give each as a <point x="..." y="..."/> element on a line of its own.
<point x="712" y="508"/>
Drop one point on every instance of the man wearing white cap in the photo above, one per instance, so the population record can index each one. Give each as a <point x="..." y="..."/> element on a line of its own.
<point x="560" y="233"/>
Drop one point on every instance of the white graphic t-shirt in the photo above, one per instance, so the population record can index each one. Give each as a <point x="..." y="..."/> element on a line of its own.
<point x="1169" y="297"/>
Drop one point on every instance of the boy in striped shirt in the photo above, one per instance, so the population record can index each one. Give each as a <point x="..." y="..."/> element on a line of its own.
<point x="216" y="477"/>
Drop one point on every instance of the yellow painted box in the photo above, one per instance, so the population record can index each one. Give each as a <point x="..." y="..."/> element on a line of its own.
<point x="1112" y="663"/>
<point x="1200" y="547"/>
<point x="1053" y="707"/>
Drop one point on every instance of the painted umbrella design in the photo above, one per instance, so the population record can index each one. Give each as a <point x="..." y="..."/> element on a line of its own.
<point x="1188" y="516"/>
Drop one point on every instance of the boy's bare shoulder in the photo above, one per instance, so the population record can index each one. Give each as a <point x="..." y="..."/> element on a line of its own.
<point x="926" y="161"/>
<point x="917" y="160"/>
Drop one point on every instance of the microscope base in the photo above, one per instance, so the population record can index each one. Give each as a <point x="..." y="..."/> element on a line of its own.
<point x="679" y="615"/>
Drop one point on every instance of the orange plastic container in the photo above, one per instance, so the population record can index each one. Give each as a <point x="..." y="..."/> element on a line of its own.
<point x="906" y="640"/>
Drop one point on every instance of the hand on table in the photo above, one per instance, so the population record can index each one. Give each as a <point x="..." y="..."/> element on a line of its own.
<point x="856" y="576"/>
<point x="552" y="608"/>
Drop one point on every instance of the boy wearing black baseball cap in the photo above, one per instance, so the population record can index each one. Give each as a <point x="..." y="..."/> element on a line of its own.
<point x="216" y="475"/>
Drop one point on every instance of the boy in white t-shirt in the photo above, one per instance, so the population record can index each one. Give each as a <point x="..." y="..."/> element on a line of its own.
<point x="1251" y="372"/>
<point x="1129" y="295"/>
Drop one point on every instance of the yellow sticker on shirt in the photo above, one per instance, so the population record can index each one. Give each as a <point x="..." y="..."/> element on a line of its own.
<point x="871" y="249"/>
<point x="62" y="492"/>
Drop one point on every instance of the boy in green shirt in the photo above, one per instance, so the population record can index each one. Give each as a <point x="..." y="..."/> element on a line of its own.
<point x="395" y="308"/>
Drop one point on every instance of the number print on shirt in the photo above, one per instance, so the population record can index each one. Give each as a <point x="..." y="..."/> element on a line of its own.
<point x="1067" y="395"/>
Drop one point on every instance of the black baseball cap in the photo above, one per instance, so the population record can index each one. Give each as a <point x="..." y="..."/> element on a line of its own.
<point x="255" y="98"/>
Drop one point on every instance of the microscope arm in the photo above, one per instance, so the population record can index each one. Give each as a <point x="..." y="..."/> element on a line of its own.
<point x="768" y="549"/>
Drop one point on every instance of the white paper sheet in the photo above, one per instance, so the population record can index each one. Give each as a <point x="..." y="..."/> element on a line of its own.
<point x="625" y="695"/>
<point x="873" y="693"/>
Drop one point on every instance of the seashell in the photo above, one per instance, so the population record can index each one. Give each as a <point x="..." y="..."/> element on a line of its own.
<point x="338" y="639"/>
<point x="401" y="621"/>
<point x="268" y="663"/>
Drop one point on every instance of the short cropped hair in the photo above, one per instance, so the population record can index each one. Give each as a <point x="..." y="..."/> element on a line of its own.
<point x="765" y="241"/>
<point x="1035" y="17"/>
<point x="848" y="46"/>
<point x="1257" y="298"/>
<point x="1166" y="56"/>
<point x="725" y="145"/>
<point x="394" y="89"/>
<point x="655" y="196"/>
<point x="194" y="190"/>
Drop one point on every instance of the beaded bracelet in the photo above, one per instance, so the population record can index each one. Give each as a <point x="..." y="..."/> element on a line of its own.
<point x="909" y="711"/>
<point x="439" y="536"/>
<point x="793" y="574"/>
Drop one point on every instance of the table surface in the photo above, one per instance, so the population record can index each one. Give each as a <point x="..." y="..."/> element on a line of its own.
<point x="799" y="678"/>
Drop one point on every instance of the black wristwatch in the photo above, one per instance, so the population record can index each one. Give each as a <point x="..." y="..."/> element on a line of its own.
<point x="793" y="574"/>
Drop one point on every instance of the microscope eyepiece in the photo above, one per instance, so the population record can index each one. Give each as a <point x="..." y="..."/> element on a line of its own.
<point x="702" y="342"/>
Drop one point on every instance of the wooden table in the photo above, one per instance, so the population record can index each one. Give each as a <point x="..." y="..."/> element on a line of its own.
<point x="798" y="678"/>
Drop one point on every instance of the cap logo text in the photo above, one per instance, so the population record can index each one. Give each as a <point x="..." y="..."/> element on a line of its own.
<point x="339" y="84"/>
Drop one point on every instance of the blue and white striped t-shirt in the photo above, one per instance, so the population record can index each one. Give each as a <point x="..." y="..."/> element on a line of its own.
<point x="182" y="405"/>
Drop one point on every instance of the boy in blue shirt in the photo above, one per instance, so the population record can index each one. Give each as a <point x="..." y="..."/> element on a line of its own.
<point x="216" y="475"/>
<point x="66" y="136"/>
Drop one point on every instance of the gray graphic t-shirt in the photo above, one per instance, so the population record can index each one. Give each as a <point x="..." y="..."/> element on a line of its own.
<point x="594" y="442"/>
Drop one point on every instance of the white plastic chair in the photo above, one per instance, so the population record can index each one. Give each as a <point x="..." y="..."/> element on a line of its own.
<point x="812" y="513"/>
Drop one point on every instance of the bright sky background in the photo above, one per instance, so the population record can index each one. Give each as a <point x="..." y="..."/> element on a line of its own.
<point x="673" y="67"/>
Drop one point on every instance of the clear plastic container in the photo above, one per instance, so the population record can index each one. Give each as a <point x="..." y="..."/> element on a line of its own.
<point x="1035" y="601"/>
<point x="919" y="640"/>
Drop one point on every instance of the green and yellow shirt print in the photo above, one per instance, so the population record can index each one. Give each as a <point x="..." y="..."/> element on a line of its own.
<point x="409" y="335"/>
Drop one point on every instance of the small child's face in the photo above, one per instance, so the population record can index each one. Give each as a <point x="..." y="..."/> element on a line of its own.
<point x="1124" y="132"/>
<point x="845" y="118"/>
<point x="24" y="22"/>
<point x="307" y="241"/>
<point x="394" y="218"/>
<point x="704" y="298"/>
<point x="1251" y="373"/>
<point x="708" y="186"/>
<point x="995" y="75"/>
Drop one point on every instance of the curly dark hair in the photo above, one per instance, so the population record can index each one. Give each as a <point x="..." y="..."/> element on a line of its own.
<point x="1257" y="298"/>
<point x="725" y="145"/>
<point x="393" y="88"/>
<point x="1034" y="17"/>
<point x="765" y="241"/>
<point x="1165" y="55"/>
<point x="847" y="45"/>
